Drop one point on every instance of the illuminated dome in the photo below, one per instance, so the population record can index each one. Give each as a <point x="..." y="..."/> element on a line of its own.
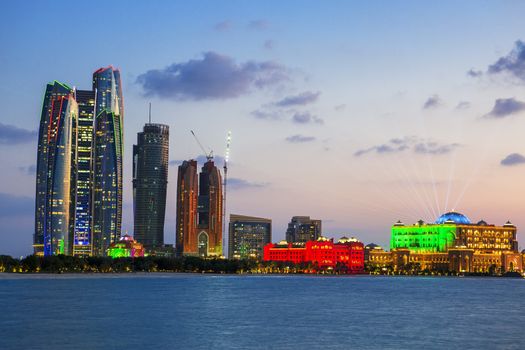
<point x="454" y="217"/>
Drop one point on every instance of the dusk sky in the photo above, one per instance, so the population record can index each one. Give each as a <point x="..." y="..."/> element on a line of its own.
<point x="356" y="113"/>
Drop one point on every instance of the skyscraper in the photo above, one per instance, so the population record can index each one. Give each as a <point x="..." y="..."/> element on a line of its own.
<point x="150" y="180"/>
<point x="56" y="172"/>
<point x="107" y="159"/>
<point x="199" y="218"/>
<point x="247" y="236"/>
<point x="209" y="211"/>
<point x="84" y="177"/>
<point x="187" y="191"/>
<point x="79" y="168"/>
<point x="303" y="229"/>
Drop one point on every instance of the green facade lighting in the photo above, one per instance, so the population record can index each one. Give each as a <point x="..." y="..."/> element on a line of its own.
<point x="424" y="238"/>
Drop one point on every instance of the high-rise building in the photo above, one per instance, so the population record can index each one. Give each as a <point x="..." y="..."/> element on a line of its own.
<point x="56" y="172"/>
<point x="107" y="159"/>
<point x="187" y="191"/>
<point x="199" y="210"/>
<point x="82" y="240"/>
<point x="303" y="229"/>
<point x="209" y="211"/>
<point x="150" y="181"/>
<point x="247" y="236"/>
<point x="79" y="168"/>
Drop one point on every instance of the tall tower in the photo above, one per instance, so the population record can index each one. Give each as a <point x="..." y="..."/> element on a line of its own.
<point x="150" y="181"/>
<point x="56" y="172"/>
<point x="107" y="159"/>
<point x="187" y="190"/>
<point x="209" y="211"/>
<point x="82" y="240"/>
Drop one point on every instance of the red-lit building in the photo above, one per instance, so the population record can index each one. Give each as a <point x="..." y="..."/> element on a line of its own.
<point x="323" y="253"/>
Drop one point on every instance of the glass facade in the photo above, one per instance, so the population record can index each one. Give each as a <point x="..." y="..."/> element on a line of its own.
<point x="247" y="236"/>
<point x="187" y="191"/>
<point x="56" y="172"/>
<point x="107" y="159"/>
<point x="150" y="181"/>
<point x="82" y="236"/>
<point x="303" y="229"/>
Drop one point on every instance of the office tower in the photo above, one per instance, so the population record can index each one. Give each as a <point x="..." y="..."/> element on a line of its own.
<point x="209" y="211"/>
<point x="187" y="191"/>
<point x="56" y="174"/>
<point x="303" y="229"/>
<point x="150" y="180"/>
<point x="247" y="236"/>
<point x="107" y="159"/>
<point x="84" y="178"/>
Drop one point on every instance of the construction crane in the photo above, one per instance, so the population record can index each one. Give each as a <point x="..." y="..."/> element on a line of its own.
<point x="226" y="158"/>
<point x="209" y="155"/>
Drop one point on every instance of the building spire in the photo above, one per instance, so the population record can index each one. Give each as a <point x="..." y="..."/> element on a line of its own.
<point x="150" y="112"/>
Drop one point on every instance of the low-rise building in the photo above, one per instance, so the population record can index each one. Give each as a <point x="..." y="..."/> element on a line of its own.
<point x="126" y="247"/>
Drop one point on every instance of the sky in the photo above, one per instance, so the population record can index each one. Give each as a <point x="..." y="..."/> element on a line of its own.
<point x="357" y="113"/>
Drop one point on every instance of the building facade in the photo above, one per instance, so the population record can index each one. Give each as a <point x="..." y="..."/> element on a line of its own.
<point x="187" y="194"/>
<point x="56" y="172"/>
<point x="107" y="159"/>
<point x="79" y="168"/>
<point x="150" y="182"/>
<point x="303" y="229"/>
<point x="347" y="255"/>
<point x="451" y="244"/>
<point x="126" y="247"/>
<point x="247" y="236"/>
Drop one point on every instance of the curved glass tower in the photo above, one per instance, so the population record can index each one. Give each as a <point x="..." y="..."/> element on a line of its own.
<point x="56" y="172"/>
<point x="107" y="159"/>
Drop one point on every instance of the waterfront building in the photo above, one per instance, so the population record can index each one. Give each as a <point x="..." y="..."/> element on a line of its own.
<point x="126" y="247"/>
<point x="347" y="255"/>
<point x="186" y="225"/>
<point x="79" y="168"/>
<point x="303" y="229"/>
<point x="451" y="243"/>
<point x="84" y="176"/>
<point x="150" y="181"/>
<point x="247" y="236"/>
<point x="209" y="211"/>
<point x="107" y="159"/>
<point x="56" y="172"/>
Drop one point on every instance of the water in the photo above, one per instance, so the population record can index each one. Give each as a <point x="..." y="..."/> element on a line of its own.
<point x="180" y="311"/>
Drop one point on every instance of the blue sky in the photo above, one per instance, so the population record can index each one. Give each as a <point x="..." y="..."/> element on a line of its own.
<point x="357" y="113"/>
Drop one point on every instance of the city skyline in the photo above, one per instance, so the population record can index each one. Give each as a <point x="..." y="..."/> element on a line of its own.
<point x="366" y="122"/>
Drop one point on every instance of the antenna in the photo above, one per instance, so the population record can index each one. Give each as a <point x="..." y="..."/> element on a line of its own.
<point x="150" y="112"/>
<point x="226" y="158"/>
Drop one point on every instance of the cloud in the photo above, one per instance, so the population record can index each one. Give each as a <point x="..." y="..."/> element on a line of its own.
<point x="302" y="99"/>
<point x="240" y="184"/>
<point x="269" y="44"/>
<point x="433" y="101"/>
<point x="513" y="159"/>
<point x="474" y="73"/>
<point x="259" y="24"/>
<point x="223" y="26"/>
<point x="213" y="77"/>
<point x="504" y="107"/>
<point x="417" y="145"/>
<point x="12" y="135"/>
<point x="28" y="170"/>
<point x="300" y="138"/>
<point x="512" y="64"/>
<point x="431" y="147"/>
<point x="463" y="105"/>
<point x="11" y="205"/>
<point x="267" y="114"/>
<point x="306" y="118"/>
<point x="201" y="159"/>
<point x="340" y="107"/>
